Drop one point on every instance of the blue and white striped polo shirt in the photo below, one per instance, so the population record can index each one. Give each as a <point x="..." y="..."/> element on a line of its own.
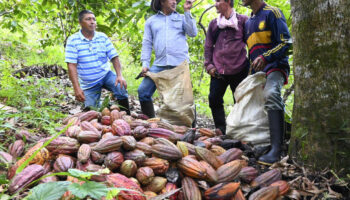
<point x="91" y="57"/>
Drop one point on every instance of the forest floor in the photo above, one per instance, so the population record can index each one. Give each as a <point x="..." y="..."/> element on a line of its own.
<point x="304" y="183"/>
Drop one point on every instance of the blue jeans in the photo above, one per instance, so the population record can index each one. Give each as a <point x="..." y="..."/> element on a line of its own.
<point x="147" y="86"/>
<point x="93" y="94"/>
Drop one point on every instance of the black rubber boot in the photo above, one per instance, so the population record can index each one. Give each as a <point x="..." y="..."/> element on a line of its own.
<point x="219" y="119"/>
<point x="276" y="123"/>
<point x="147" y="108"/>
<point x="124" y="105"/>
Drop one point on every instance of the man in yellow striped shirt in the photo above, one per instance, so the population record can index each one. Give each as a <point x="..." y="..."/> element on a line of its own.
<point x="268" y="40"/>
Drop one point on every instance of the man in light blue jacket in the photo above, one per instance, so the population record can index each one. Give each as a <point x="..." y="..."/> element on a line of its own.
<point x="165" y="33"/>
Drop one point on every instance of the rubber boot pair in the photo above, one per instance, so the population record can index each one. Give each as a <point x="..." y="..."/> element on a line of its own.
<point x="147" y="108"/>
<point x="276" y="124"/>
<point x="124" y="105"/>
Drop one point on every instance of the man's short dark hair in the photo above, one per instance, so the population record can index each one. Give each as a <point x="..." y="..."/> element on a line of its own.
<point x="84" y="12"/>
<point x="231" y="3"/>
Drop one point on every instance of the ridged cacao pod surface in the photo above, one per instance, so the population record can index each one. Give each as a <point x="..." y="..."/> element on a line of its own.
<point x="190" y="189"/>
<point x="84" y="153"/>
<point x="265" y="193"/>
<point x="145" y="175"/>
<point x="24" y="178"/>
<point x="128" y="168"/>
<point x="222" y="191"/>
<point x="113" y="160"/>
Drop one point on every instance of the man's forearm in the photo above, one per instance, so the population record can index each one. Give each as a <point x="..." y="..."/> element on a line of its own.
<point x="73" y="75"/>
<point x="117" y="66"/>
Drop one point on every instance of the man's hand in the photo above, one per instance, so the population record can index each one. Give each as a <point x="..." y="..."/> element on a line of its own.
<point x="79" y="94"/>
<point x="188" y="5"/>
<point x="258" y="64"/>
<point x="144" y="70"/>
<point x="212" y="72"/>
<point x="121" y="81"/>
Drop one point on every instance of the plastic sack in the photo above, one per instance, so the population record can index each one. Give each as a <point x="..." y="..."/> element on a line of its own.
<point x="175" y="90"/>
<point x="248" y="120"/>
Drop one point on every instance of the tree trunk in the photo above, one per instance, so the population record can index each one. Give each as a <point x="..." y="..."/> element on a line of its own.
<point x="321" y="116"/>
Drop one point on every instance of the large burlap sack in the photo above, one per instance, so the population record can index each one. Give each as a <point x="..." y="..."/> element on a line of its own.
<point x="248" y="120"/>
<point x="175" y="90"/>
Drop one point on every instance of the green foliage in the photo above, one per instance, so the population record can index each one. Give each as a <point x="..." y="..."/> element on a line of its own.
<point x="37" y="100"/>
<point x="92" y="189"/>
<point x="51" y="190"/>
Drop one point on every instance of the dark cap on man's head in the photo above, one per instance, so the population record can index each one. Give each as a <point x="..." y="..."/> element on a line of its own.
<point x="155" y="5"/>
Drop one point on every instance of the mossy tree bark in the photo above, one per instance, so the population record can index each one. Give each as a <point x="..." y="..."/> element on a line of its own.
<point x="321" y="116"/>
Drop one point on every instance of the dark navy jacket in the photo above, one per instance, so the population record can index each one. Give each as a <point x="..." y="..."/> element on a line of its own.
<point x="267" y="36"/>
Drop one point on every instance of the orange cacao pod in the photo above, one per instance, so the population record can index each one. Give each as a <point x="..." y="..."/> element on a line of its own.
<point x="217" y="150"/>
<point x="283" y="187"/>
<point x="158" y="165"/>
<point x="265" y="193"/>
<point x="191" y="167"/>
<point x="208" y="156"/>
<point x="229" y="171"/>
<point x="206" y="132"/>
<point x="212" y="176"/>
<point x="222" y="191"/>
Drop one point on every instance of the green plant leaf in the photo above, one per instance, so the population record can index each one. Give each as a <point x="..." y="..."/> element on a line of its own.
<point x="51" y="190"/>
<point x="3" y="179"/>
<point x="80" y="174"/>
<point x="113" y="192"/>
<point x="93" y="189"/>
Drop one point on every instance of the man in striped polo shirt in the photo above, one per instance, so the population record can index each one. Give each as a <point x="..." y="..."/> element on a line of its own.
<point x="165" y="33"/>
<point x="87" y="56"/>
<point x="268" y="40"/>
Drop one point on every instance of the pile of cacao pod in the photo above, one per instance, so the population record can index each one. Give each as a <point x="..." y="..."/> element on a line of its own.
<point x="148" y="156"/>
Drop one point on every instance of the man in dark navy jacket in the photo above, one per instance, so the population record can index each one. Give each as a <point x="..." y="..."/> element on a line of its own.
<point x="268" y="40"/>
